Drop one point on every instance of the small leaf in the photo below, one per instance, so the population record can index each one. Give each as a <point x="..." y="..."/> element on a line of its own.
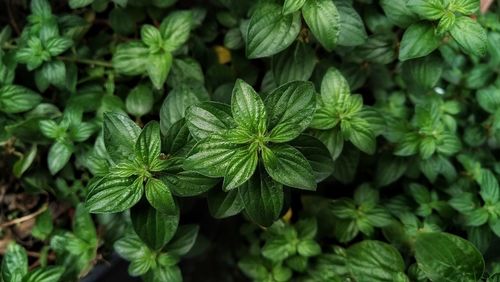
<point x="419" y="40"/>
<point x="183" y="240"/>
<point x="46" y="274"/>
<point x="59" y="155"/>
<point x="148" y="145"/>
<point x="247" y="108"/>
<point x="160" y="197"/>
<point x="209" y="118"/>
<point x="140" y="100"/>
<point x="323" y="18"/>
<point x="14" y="263"/>
<point x="120" y="134"/>
<point x="175" y="29"/>
<point x="470" y="35"/>
<point x="240" y="167"/>
<point x="427" y="9"/>
<point x="224" y="204"/>
<point x="292" y="6"/>
<point x="114" y="194"/>
<point x="158" y="67"/>
<point x="17" y="99"/>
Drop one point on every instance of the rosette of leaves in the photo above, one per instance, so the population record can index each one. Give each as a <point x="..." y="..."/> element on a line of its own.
<point x="140" y="167"/>
<point x="66" y="133"/>
<point x="251" y="145"/>
<point x="432" y="20"/>
<point x="40" y="45"/>
<point x="152" y="55"/>
<point x="157" y="265"/>
<point x="341" y="116"/>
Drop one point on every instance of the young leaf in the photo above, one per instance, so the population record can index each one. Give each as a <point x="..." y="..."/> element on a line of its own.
<point x="46" y="274"/>
<point x="175" y="29"/>
<point x="140" y="100"/>
<point x="183" y="240"/>
<point x="419" y="40"/>
<point x="427" y="9"/>
<point x="114" y="194"/>
<point x="323" y="19"/>
<point x="14" y="263"/>
<point x="247" y="108"/>
<point x="470" y="35"/>
<point x="224" y="204"/>
<point x="148" y="145"/>
<point x="120" y="134"/>
<point x="292" y="6"/>
<point x="208" y="118"/>
<point x="270" y="32"/>
<point x="241" y="166"/>
<point x="290" y="109"/>
<point x="59" y="155"/>
<point x="160" y="197"/>
<point x="17" y="99"/>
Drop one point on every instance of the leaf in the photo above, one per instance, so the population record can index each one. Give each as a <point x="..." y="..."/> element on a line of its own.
<point x="54" y="72"/>
<point x="292" y="6"/>
<point x="323" y="18"/>
<point x="24" y="163"/>
<point x="75" y="4"/>
<point x="178" y="100"/>
<point x="17" y="99"/>
<point x="418" y="40"/>
<point x="224" y="204"/>
<point x="114" y="194"/>
<point x="83" y="226"/>
<point x="389" y="169"/>
<point x="153" y="227"/>
<point x="43" y="225"/>
<point x="57" y="45"/>
<point x="46" y="274"/>
<point x="295" y="63"/>
<point x="175" y="29"/>
<point x="131" y="247"/>
<point x="352" y="29"/>
<point x="362" y="136"/>
<point x="316" y="154"/>
<point x="188" y="183"/>
<point x="160" y="196"/>
<point x="183" y="240"/>
<point x="151" y="36"/>
<point x="398" y="12"/>
<point x="210" y="156"/>
<point x="490" y="190"/>
<point x="427" y="9"/>
<point x="158" y="67"/>
<point x="334" y="87"/>
<point x="209" y="118"/>
<point x="290" y="109"/>
<point x="120" y="134"/>
<point x="240" y="167"/>
<point x="465" y="7"/>
<point x="140" y="100"/>
<point x="288" y="166"/>
<point x="489" y="99"/>
<point x="148" y="145"/>
<point x="131" y="58"/>
<point x="59" y="155"/>
<point x="446" y="257"/>
<point x="374" y="261"/>
<point x="470" y="35"/>
<point x="14" y="263"/>
<point x="423" y="72"/>
<point x="262" y="197"/>
<point x="248" y="109"/>
<point x="270" y="32"/>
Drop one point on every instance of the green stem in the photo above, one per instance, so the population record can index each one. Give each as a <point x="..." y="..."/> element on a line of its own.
<point x="86" y="61"/>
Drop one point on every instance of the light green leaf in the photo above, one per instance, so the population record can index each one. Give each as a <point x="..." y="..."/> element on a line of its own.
<point x="46" y="274"/>
<point x="151" y="36"/>
<point x="465" y="7"/>
<point x="140" y="100"/>
<point x="316" y="154"/>
<point x="398" y="12"/>
<point x="131" y="58"/>
<point x="57" y="45"/>
<point x="270" y="32"/>
<point x="148" y="145"/>
<point x="59" y="155"/>
<point x="241" y="166"/>
<point x="209" y="118"/>
<point x="470" y="35"/>
<point x="120" y="134"/>
<point x="158" y="67"/>
<point x="16" y="99"/>
<point x="427" y="9"/>
<point x="292" y="6"/>
<point x="175" y="29"/>
<point x="14" y="263"/>
<point x="75" y="4"/>
<point x="323" y="19"/>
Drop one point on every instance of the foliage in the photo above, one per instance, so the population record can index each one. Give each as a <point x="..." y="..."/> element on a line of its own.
<point x="271" y="140"/>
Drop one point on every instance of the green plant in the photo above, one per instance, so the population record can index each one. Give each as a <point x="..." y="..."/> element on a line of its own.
<point x="330" y="140"/>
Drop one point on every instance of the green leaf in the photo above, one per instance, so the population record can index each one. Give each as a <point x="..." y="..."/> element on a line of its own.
<point x="55" y="72"/>
<point x="465" y="7"/>
<point x="423" y="72"/>
<point x="308" y="248"/>
<point x="57" y="45"/>
<point x="323" y="19"/>
<point x="419" y="40"/>
<point x="24" y="163"/>
<point x="446" y="257"/>
<point x="316" y="154"/>
<point x="178" y="100"/>
<point x="270" y="32"/>
<point x="160" y="197"/>
<point x="83" y="226"/>
<point x="362" y="136"/>
<point x="131" y="58"/>
<point x="470" y="35"/>
<point x="75" y="4"/>
<point x="14" y="263"/>
<point x="352" y="29"/>
<point x="188" y="183"/>
<point x="374" y="261"/>
<point x="253" y="268"/>
<point x="427" y="9"/>
<point x="148" y="145"/>
<point x="224" y="204"/>
<point x="175" y="29"/>
<point x="140" y="100"/>
<point x="131" y="247"/>
<point x="490" y="190"/>
<point x="210" y="156"/>
<point x="151" y="36"/>
<point x="262" y="197"/>
<point x="295" y="63"/>
<point x="114" y="194"/>
<point x="446" y="23"/>
<point x="120" y="134"/>
<point x="292" y="6"/>
<point x="59" y="155"/>
<point x="160" y="274"/>
<point x="290" y="110"/>
<point x="209" y="118"/>
<point x="46" y="274"/>
<point x="158" y="67"/>
<point x="247" y="108"/>
<point x="43" y="225"/>
<point x="240" y="167"/>
<point x="153" y="227"/>
<point x="17" y="99"/>
<point x="489" y="99"/>
<point x="288" y="166"/>
<point x="183" y="240"/>
<point x="398" y="12"/>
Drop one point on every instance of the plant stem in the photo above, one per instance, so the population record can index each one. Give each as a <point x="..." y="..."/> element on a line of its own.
<point x="24" y="218"/>
<point x="86" y="61"/>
